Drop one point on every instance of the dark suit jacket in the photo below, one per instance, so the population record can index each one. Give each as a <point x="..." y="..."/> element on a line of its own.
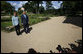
<point x="24" y="20"/>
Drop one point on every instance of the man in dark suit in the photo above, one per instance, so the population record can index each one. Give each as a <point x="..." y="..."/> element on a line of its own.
<point x="24" y="21"/>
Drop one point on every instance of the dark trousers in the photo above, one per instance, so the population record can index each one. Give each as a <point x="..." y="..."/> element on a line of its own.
<point x="17" y="28"/>
<point x="26" y="26"/>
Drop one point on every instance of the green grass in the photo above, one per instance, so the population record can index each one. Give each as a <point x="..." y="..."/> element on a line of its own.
<point x="33" y="19"/>
<point x="6" y="19"/>
<point x="36" y="20"/>
<point x="5" y="24"/>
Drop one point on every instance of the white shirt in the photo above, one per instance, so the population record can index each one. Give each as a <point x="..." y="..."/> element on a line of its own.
<point x="15" y="20"/>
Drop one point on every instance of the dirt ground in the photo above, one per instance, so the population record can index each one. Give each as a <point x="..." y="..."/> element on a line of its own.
<point x="43" y="37"/>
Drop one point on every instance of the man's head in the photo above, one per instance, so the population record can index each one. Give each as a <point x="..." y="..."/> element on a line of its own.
<point x="24" y="12"/>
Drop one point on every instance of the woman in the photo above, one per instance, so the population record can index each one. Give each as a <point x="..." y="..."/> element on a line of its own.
<point x="15" y="22"/>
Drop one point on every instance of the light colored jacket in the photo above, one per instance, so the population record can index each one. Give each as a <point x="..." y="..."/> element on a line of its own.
<point x="15" y="20"/>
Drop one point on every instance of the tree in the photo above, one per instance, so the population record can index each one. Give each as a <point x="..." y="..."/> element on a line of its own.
<point x="7" y="7"/>
<point x="33" y="6"/>
<point x="41" y="9"/>
<point x="71" y="8"/>
<point x="30" y="6"/>
<point x="20" y="11"/>
<point x="48" y="5"/>
<point x="36" y="4"/>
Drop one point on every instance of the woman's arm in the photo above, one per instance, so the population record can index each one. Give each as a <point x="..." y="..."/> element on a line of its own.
<point x="13" y="21"/>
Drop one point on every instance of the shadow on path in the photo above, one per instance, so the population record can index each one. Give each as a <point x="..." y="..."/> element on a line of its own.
<point x="74" y="48"/>
<point x="29" y="29"/>
<point x="31" y="50"/>
<point x="74" y="20"/>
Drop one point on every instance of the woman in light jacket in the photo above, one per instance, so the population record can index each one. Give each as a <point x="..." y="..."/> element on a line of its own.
<point x="15" y="22"/>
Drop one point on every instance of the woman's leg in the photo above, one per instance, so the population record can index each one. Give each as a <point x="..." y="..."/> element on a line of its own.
<point x="16" y="30"/>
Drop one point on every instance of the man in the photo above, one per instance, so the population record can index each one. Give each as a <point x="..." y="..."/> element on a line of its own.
<point x="15" y="22"/>
<point x="24" y="21"/>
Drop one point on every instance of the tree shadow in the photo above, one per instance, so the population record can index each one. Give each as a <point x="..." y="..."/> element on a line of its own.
<point x="74" y="48"/>
<point x="51" y="51"/>
<point x="31" y="50"/>
<point x="77" y="20"/>
<point x="77" y="48"/>
<point x="59" y="48"/>
<point x="11" y="52"/>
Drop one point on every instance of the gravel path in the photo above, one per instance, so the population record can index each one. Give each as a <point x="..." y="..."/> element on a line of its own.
<point x="43" y="37"/>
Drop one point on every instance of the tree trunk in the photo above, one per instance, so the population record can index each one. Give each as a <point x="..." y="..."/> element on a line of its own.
<point x="38" y="8"/>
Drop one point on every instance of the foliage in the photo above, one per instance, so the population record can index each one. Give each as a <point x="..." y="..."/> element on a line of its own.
<point x="71" y="8"/>
<point x="7" y="7"/>
<point x="33" y="19"/>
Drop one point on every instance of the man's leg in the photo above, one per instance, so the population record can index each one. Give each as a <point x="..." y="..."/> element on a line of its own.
<point x="18" y="28"/>
<point x="25" y="28"/>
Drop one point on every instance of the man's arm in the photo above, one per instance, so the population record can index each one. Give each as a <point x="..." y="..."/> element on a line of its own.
<point x="28" y="18"/>
<point x="21" y="20"/>
<point x="18" y="20"/>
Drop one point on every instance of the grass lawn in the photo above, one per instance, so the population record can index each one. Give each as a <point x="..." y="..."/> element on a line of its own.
<point x="33" y="19"/>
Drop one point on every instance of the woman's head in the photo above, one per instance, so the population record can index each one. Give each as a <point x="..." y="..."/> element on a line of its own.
<point x="15" y="13"/>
